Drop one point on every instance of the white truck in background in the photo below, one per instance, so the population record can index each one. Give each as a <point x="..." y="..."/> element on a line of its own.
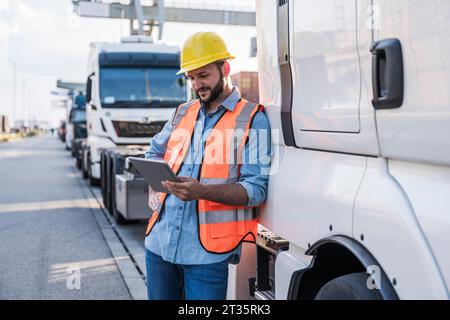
<point x="132" y="90"/>
<point x="359" y="197"/>
<point x="75" y="121"/>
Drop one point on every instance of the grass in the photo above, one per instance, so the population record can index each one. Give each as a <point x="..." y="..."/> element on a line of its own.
<point x="5" y="137"/>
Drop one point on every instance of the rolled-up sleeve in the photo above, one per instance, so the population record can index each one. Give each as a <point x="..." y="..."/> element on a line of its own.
<point x="256" y="160"/>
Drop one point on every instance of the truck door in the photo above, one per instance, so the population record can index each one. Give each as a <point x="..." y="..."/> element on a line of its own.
<point x="422" y="119"/>
<point x="413" y="112"/>
<point x="325" y="67"/>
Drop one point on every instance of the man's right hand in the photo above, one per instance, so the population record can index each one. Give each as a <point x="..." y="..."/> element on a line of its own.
<point x="153" y="198"/>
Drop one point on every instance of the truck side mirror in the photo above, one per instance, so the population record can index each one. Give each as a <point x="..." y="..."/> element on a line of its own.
<point x="71" y="116"/>
<point x="182" y="81"/>
<point x="89" y="88"/>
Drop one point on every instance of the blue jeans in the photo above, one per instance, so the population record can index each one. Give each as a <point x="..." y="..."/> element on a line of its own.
<point x="168" y="281"/>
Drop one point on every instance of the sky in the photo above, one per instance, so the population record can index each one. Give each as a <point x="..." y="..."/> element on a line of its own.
<point x="44" y="40"/>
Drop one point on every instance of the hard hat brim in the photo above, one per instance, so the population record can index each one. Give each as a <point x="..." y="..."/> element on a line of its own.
<point x="201" y="63"/>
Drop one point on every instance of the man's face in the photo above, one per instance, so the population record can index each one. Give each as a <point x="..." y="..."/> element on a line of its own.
<point x="207" y="82"/>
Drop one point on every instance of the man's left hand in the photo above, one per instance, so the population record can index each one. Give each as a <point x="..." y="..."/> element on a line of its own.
<point x="186" y="189"/>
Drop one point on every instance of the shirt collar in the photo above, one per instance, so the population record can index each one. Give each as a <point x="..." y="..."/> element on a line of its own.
<point x="231" y="101"/>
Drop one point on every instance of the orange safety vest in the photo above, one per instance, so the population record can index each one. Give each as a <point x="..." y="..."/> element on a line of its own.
<point x="221" y="227"/>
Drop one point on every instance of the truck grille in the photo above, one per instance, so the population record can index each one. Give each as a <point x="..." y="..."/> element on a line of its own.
<point x="126" y="129"/>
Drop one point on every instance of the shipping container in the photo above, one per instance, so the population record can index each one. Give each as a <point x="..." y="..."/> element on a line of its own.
<point x="247" y="82"/>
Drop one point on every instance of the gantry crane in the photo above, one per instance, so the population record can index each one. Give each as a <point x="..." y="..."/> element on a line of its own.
<point x="148" y="17"/>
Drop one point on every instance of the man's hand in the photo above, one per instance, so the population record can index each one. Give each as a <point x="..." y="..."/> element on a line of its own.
<point x="186" y="189"/>
<point x="153" y="198"/>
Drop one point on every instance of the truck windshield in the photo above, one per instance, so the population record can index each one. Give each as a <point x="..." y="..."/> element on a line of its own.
<point x="141" y="87"/>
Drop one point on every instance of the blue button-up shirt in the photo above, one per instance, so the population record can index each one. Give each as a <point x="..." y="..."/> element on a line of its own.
<point x="175" y="236"/>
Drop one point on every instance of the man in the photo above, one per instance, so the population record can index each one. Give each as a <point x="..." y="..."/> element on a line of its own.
<point x="80" y="100"/>
<point x="219" y="146"/>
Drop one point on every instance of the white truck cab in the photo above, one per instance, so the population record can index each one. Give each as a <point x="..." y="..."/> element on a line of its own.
<point x="132" y="90"/>
<point x="356" y="92"/>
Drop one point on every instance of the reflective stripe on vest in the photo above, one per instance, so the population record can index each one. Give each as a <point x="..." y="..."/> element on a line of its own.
<point x="219" y="216"/>
<point x="221" y="227"/>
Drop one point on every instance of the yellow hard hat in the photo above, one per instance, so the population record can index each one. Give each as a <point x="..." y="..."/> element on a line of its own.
<point x="202" y="49"/>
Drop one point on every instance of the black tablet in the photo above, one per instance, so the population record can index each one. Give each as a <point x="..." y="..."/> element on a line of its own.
<point x="154" y="172"/>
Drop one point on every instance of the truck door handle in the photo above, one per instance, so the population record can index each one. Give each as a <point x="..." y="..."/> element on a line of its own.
<point x="387" y="74"/>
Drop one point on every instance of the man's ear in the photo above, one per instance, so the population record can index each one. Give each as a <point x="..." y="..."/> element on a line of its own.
<point x="226" y="69"/>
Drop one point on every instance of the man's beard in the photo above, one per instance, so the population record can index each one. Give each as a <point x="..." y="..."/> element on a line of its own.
<point x="215" y="92"/>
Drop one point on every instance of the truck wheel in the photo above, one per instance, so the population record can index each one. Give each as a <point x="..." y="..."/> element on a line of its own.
<point x="92" y="181"/>
<point x="73" y="149"/>
<point x="349" y="287"/>
<point x="103" y="180"/>
<point x="118" y="217"/>
<point x="78" y="163"/>
<point x="84" y="165"/>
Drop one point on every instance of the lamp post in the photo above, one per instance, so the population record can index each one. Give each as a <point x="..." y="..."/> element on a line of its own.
<point x="14" y="96"/>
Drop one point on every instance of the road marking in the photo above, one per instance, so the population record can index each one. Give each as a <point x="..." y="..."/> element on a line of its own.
<point x="43" y="205"/>
<point x="132" y="274"/>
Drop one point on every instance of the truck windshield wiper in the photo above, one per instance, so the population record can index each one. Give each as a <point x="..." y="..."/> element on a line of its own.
<point x="165" y="102"/>
<point x="162" y="103"/>
<point x="143" y="104"/>
<point x="124" y="103"/>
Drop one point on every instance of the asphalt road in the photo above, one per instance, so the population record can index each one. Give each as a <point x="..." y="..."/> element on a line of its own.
<point x="51" y="246"/>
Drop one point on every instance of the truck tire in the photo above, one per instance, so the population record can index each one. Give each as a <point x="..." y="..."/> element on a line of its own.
<point x="118" y="217"/>
<point x="103" y="180"/>
<point x="78" y="163"/>
<point x="349" y="287"/>
<point x="84" y="164"/>
<point x="92" y="181"/>
<point x="73" y="149"/>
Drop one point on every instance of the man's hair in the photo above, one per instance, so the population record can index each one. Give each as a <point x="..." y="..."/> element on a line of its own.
<point x="219" y="65"/>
